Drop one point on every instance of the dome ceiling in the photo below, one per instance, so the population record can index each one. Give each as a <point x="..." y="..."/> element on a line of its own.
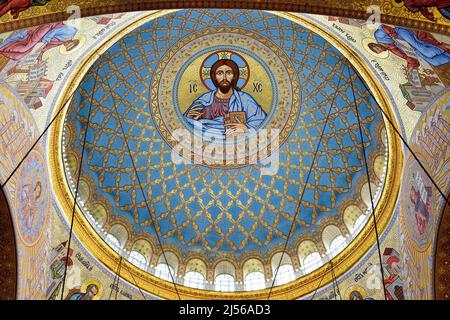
<point x="147" y="81"/>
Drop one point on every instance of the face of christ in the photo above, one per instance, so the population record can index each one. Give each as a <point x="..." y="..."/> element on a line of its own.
<point x="224" y="74"/>
<point x="224" y="78"/>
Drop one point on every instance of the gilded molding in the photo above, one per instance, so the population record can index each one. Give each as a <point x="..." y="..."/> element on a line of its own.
<point x="298" y="288"/>
<point x="391" y="12"/>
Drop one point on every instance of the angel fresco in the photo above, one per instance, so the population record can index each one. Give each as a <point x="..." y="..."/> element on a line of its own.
<point x="17" y="6"/>
<point x="31" y="197"/>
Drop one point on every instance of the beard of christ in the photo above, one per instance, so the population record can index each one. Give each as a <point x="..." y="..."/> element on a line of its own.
<point x="224" y="86"/>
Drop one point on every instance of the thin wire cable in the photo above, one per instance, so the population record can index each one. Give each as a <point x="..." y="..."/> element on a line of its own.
<point x="140" y="185"/>
<point x="403" y="139"/>
<point x="77" y="186"/>
<point x="306" y="182"/>
<point x="368" y="182"/>
<point x="37" y="140"/>
<point x="118" y="277"/>
<point x="318" y="286"/>
<point x="114" y="286"/>
<point x="135" y="283"/>
<point x="332" y="280"/>
<point x="335" y="281"/>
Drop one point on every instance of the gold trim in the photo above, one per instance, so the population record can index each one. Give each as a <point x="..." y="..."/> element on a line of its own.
<point x="298" y="288"/>
<point x="391" y="13"/>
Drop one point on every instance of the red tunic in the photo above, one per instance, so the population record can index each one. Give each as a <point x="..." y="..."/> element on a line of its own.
<point x="19" y="48"/>
<point x="219" y="108"/>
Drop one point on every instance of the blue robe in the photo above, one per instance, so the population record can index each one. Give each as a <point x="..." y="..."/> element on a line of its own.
<point x="432" y="54"/>
<point x="77" y="296"/>
<point x="61" y="33"/>
<point x="239" y="101"/>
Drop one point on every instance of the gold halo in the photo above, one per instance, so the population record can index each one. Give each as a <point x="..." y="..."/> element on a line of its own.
<point x="97" y="283"/>
<point x="355" y="288"/>
<point x="63" y="50"/>
<point x="225" y="54"/>
<point x="365" y="44"/>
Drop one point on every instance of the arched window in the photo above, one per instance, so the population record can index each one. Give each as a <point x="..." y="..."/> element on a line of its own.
<point x="351" y="214"/>
<point x="224" y="282"/>
<point x="120" y="233"/>
<point x="141" y="253"/>
<point x="194" y="279"/>
<point x="337" y="245"/>
<point x="137" y="259"/>
<point x="285" y="274"/>
<point x="305" y="248"/>
<point x="113" y="242"/>
<point x="359" y="222"/>
<point x="254" y="281"/>
<point x="164" y="271"/>
<point x="282" y="262"/>
<point x="312" y="262"/>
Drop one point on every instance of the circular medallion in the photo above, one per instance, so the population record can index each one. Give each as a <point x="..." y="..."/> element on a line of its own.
<point x="32" y="197"/>
<point x="190" y="100"/>
<point x="93" y="288"/>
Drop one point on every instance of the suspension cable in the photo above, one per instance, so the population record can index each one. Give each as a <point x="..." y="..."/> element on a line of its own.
<point x="135" y="283"/>
<point x="402" y="138"/>
<point x="140" y="185"/>
<point x="366" y="165"/>
<point x="116" y="278"/>
<point x="37" y="140"/>
<point x="306" y="182"/>
<point x="318" y="286"/>
<point x="335" y="281"/>
<point x="77" y="186"/>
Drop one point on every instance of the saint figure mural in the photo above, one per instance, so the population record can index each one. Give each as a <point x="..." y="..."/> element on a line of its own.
<point x="422" y="204"/>
<point x="225" y="110"/>
<point x="31" y="197"/>
<point x="40" y="38"/>
<point x="425" y="46"/>
<point x="91" y="291"/>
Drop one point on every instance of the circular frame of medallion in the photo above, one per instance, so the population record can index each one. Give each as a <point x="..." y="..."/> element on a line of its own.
<point x="32" y="198"/>
<point x="285" y="89"/>
<point x="300" y="287"/>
